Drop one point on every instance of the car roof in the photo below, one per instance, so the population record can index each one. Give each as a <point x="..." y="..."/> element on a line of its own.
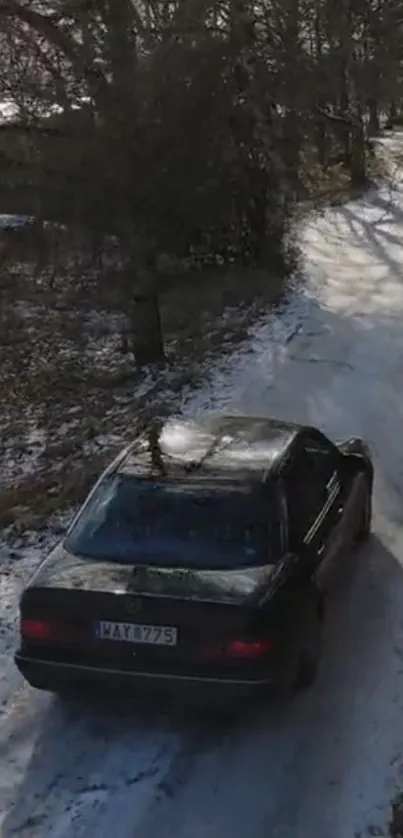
<point x="213" y="444"/>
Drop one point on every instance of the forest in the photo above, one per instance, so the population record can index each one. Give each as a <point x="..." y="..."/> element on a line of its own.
<point x="187" y="132"/>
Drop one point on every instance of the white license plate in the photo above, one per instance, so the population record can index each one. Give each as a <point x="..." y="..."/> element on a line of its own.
<point x="136" y="633"/>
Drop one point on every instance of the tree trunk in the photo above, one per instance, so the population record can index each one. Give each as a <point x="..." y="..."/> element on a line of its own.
<point x="148" y="341"/>
<point x="41" y="243"/>
<point x="320" y="127"/>
<point x="392" y="112"/>
<point x="345" y="79"/>
<point x="321" y="142"/>
<point x="374" y="125"/>
<point x="345" y="128"/>
<point x="96" y="243"/>
<point x="292" y="119"/>
<point x="358" y="171"/>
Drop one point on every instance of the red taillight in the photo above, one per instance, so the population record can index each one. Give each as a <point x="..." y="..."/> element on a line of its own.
<point x="39" y="630"/>
<point x="250" y="648"/>
<point x="244" y="648"/>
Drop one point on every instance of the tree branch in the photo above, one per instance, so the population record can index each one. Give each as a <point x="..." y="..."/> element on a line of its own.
<point x="334" y="117"/>
<point x="43" y="24"/>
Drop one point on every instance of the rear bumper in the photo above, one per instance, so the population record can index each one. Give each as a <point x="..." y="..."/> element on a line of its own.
<point x="56" y="677"/>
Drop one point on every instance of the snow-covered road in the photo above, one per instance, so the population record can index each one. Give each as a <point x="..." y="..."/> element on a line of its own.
<point x="328" y="765"/>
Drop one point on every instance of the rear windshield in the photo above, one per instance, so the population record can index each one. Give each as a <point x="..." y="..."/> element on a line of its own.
<point x="202" y="524"/>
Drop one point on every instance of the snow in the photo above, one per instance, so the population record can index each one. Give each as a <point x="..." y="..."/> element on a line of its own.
<point x="8" y="111"/>
<point x="327" y="765"/>
<point x="15" y="222"/>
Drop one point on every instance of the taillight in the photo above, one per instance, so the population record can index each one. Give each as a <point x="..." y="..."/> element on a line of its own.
<point x="40" y="630"/>
<point x="250" y="648"/>
<point x="245" y="648"/>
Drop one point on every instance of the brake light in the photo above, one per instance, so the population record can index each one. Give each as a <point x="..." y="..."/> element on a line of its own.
<point x="40" y="630"/>
<point x="250" y="648"/>
<point x="240" y="648"/>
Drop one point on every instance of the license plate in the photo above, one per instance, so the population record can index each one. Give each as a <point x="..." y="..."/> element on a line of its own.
<point x="136" y="633"/>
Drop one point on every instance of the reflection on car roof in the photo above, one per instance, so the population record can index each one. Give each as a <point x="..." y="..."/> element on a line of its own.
<point x="213" y="444"/>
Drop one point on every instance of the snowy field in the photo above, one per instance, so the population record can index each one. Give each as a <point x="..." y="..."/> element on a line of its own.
<point x="328" y="765"/>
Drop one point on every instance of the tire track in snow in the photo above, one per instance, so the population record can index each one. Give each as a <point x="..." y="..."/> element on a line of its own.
<point x="76" y="767"/>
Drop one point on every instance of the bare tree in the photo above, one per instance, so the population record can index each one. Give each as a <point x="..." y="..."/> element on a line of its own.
<point x="180" y="125"/>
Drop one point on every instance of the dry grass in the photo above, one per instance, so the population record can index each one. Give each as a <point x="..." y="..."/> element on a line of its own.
<point x="69" y="399"/>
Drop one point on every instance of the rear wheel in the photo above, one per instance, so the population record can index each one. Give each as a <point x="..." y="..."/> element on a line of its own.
<point x="311" y="641"/>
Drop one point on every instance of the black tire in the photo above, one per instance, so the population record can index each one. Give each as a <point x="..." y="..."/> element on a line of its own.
<point x="363" y="531"/>
<point x="311" y="646"/>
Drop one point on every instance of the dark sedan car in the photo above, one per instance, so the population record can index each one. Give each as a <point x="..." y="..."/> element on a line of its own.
<point x="200" y="559"/>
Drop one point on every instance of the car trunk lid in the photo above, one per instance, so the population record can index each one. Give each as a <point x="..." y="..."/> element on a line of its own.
<point x="152" y="617"/>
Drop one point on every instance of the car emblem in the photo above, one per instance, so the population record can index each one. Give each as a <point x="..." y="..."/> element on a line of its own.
<point x="133" y="606"/>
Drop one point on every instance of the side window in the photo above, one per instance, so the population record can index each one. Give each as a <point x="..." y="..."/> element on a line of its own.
<point x="277" y="535"/>
<point x="308" y="484"/>
<point x="282" y="506"/>
<point x="275" y="547"/>
<point x="273" y="523"/>
<point x="298" y="486"/>
<point x="322" y="459"/>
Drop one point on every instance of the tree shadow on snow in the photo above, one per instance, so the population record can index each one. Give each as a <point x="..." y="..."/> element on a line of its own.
<point x="371" y="234"/>
<point x="89" y="747"/>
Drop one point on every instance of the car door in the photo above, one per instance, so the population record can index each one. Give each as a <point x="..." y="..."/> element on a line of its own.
<point x="326" y="460"/>
<point x="312" y="486"/>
